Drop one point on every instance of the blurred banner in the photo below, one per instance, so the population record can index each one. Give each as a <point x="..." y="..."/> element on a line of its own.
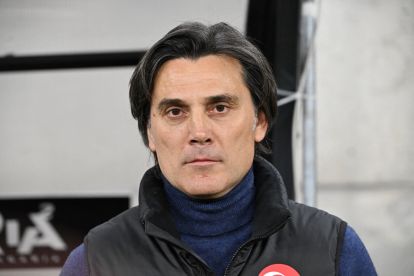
<point x="41" y="232"/>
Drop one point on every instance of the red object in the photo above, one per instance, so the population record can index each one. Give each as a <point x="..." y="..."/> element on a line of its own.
<point x="279" y="270"/>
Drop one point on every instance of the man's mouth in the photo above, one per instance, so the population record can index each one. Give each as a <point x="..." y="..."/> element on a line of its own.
<point x="202" y="161"/>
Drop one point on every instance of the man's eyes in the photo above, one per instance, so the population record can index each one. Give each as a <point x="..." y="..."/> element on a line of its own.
<point x="174" y="112"/>
<point x="179" y="112"/>
<point x="220" y="108"/>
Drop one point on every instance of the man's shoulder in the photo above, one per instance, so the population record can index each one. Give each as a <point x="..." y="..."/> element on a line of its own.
<point x="300" y="209"/>
<point x="354" y="258"/>
<point x="315" y="221"/>
<point x="116" y="225"/>
<point x="76" y="263"/>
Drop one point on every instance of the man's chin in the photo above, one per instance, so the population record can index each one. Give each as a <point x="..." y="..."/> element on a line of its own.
<point x="206" y="195"/>
<point x="199" y="186"/>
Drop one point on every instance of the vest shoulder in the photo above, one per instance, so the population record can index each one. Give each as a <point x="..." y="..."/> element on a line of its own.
<point x="302" y="210"/>
<point x="313" y="221"/>
<point x="115" y="226"/>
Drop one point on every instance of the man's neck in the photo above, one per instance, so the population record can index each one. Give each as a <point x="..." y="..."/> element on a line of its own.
<point x="214" y="229"/>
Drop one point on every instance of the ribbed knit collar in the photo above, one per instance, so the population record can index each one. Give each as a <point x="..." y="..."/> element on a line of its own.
<point x="205" y="218"/>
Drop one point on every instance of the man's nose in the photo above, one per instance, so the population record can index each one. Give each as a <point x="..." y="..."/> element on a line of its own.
<point x="199" y="129"/>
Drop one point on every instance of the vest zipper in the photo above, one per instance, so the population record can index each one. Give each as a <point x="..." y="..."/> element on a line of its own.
<point x="204" y="267"/>
<point x="226" y="272"/>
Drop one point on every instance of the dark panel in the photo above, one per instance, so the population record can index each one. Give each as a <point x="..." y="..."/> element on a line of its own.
<point x="273" y="25"/>
<point x="70" y="61"/>
<point x="42" y="232"/>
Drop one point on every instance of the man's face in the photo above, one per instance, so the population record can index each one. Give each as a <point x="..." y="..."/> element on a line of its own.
<point x="203" y="125"/>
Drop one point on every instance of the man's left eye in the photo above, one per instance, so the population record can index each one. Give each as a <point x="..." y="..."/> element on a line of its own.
<point x="220" y="108"/>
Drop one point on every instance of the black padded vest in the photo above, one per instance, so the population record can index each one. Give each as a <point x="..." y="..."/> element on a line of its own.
<point x="143" y="240"/>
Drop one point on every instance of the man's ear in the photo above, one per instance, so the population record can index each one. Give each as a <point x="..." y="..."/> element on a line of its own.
<point x="261" y="127"/>
<point x="151" y="142"/>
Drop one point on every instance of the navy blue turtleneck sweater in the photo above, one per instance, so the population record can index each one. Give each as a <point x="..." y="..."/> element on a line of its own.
<point x="214" y="229"/>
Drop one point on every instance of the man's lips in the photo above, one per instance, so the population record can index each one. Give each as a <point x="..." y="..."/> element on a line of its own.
<point x="202" y="161"/>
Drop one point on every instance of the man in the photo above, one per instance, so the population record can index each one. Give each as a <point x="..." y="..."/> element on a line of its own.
<point x="204" y="98"/>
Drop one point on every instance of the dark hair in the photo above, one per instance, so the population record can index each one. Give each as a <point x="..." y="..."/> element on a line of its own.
<point x="194" y="40"/>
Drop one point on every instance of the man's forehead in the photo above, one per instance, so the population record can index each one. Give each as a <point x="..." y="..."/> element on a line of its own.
<point x="203" y="78"/>
<point x="181" y="70"/>
<point x="202" y="60"/>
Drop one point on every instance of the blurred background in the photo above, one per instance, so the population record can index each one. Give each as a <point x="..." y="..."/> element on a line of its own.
<point x="67" y="136"/>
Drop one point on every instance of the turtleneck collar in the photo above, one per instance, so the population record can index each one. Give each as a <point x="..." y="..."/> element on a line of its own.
<point x="207" y="218"/>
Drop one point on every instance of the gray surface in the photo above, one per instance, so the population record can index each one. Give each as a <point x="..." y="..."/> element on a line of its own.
<point x="382" y="217"/>
<point x="365" y="131"/>
<point x="365" y="65"/>
<point x="45" y="26"/>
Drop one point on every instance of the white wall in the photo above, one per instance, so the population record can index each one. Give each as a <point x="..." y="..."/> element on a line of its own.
<point x="48" y="26"/>
<point x="68" y="132"/>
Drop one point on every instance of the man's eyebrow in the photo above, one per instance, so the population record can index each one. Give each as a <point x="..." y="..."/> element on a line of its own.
<point x="165" y="103"/>
<point x="227" y="98"/>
